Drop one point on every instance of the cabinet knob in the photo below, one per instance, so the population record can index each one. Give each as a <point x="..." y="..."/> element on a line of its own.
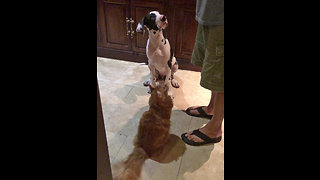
<point x="127" y="21"/>
<point x="132" y="31"/>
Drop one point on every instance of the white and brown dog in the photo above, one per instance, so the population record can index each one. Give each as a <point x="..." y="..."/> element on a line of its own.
<point x="162" y="63"/>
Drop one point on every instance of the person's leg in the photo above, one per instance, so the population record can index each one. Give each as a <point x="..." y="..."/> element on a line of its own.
<point x="213" y="128"/>
<point x="212" y="55"/>
<point x="212" y="78"/>
<point x="197" y="58"/>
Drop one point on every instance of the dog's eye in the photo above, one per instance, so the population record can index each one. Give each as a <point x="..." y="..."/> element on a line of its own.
<point x="154" y="32"/>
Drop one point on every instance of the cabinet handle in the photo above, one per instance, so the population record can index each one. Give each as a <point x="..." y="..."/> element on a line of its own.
<point x="127" y="21"/>
<point x="132" y="31"/>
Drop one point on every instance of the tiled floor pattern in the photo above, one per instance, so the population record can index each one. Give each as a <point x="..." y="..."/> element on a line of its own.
<point x="124" y="99"/>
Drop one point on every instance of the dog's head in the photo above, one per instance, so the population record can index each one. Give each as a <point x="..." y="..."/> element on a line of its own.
<point x="160" y="96"/>
<point x="153" y="21"/>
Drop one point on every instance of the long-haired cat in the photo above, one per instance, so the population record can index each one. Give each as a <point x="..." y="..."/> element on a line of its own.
<point x="152" y="133"/>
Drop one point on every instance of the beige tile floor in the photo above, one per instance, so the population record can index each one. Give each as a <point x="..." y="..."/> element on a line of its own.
<point x="124" y="99"/>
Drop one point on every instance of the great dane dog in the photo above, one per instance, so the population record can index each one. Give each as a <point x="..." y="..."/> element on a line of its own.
<point x="161" y="61"/>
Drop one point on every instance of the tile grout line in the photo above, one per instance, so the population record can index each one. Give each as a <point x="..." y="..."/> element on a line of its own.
<point x="120" y="147"/>
<point x="179" y="168"/>
<point x="128" y="92"/>
<point x="183" y="154"/>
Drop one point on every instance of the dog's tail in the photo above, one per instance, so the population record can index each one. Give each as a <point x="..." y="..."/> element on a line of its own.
<point x="131" y="168"/>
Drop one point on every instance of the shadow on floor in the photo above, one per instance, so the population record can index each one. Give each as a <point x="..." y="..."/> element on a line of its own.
<point x="172" y="150"/>
<point x="195" y="158"/>
<point x="133" y="98"/>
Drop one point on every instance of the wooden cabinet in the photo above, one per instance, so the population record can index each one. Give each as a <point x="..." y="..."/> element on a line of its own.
<point x="111" y="16"/>
<point x="185" y="30"/>
<point x="116" y="30"/>
<point x="117" y="21"/>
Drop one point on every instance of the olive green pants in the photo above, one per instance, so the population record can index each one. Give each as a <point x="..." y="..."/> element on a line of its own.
<point x="208" y="52"/>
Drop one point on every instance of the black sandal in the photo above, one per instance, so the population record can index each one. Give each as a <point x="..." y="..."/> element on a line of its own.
<point x="201" y="113"/>
<point x="202" y="136"/>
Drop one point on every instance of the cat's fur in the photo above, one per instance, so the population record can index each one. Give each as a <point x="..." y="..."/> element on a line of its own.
<point x="152" y="133"/>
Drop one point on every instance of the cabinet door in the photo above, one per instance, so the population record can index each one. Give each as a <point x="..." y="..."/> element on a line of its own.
<point x="113" y="19"/>
<point x="186" y="30"/>
<point x="138" y="10"/>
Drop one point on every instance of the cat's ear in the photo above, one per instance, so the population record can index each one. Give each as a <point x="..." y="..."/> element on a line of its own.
<point x="151" y="88"/>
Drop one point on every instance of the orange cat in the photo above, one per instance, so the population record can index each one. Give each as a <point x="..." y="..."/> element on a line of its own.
<point x="152" y="133"/>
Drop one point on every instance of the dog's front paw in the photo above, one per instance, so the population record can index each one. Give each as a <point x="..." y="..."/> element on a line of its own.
<point x="175" y="83"/>
<point x="146" y="83"/>
<point x="170" y="93"/>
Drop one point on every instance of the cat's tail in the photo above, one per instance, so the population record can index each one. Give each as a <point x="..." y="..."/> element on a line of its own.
<point x="131" y="168"/>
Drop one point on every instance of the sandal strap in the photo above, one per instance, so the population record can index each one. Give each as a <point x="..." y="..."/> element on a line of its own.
<point x="201" y="111"/>
<point x="201" y="135"/>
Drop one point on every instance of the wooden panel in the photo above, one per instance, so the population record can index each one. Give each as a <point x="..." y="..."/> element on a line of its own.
<point x="188" y="33"/>
<point x="117" y="1"/>
<point x="186" y="30"/>
<point x="116" y="28"/>
<point x="146" y="1"/>
<point x="99" y="35"/>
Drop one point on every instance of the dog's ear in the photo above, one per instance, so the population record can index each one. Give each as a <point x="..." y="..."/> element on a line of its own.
<point x="140" y="26"/>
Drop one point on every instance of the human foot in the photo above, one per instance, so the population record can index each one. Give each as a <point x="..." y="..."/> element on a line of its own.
<point x="198" y="137"/>
<point x="204" y="131"/>
<point x="200" y="111"/>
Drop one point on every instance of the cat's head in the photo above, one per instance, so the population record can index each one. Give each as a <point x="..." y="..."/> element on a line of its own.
<point x="160" y="96"/>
